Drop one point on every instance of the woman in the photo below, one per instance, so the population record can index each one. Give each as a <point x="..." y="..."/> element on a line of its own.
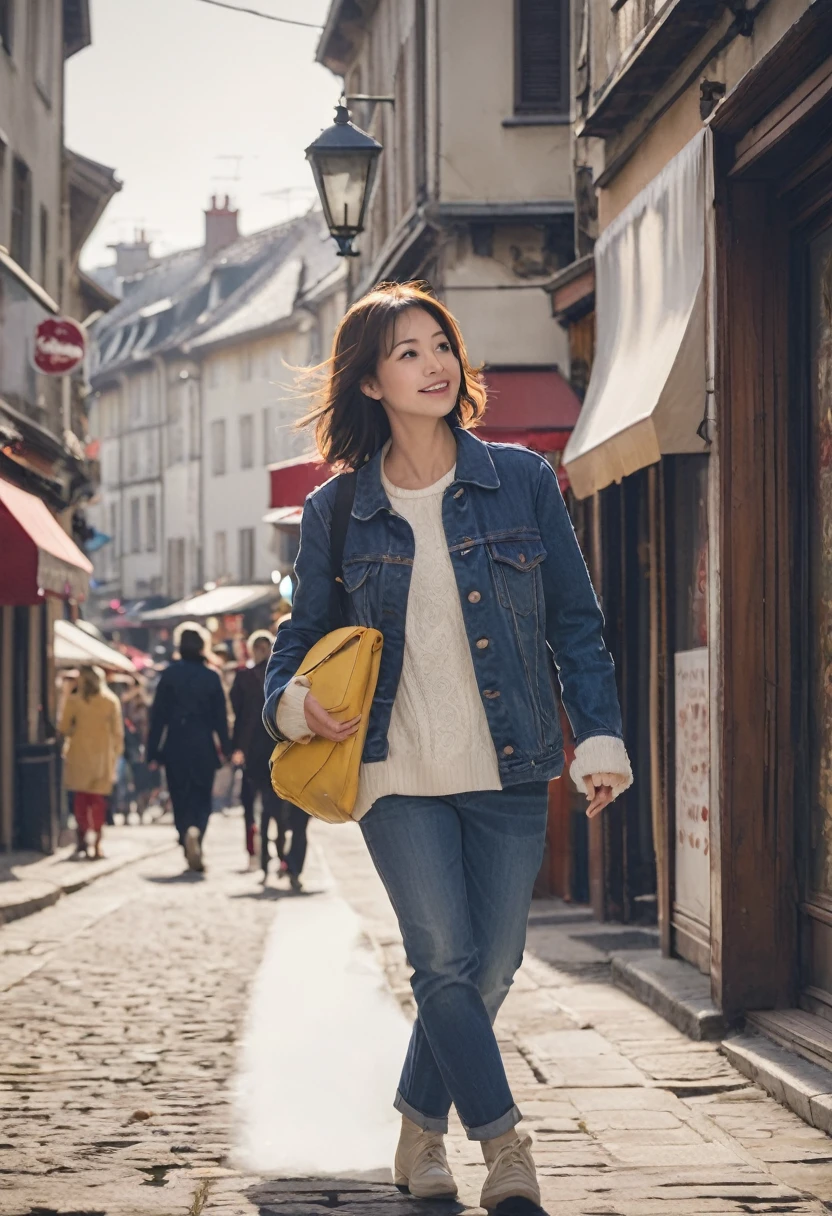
<point x="463" y="555"/>
<point x="188" y="712"/>
<point x="92" y="725"/>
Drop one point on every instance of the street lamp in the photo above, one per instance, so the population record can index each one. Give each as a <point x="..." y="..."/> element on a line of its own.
<point x="344" y="164"/>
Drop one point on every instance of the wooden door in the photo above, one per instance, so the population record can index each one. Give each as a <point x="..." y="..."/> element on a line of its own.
<point x="814" y="274"/>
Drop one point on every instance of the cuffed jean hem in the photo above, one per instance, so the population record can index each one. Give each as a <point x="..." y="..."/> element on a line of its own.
<point x="488" y="1131"/>
<point x="499" y="1127"/>
<point x="426" y="1122"/>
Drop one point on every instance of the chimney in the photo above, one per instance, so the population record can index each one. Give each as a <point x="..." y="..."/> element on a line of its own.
<point x="132" y="257"/>
<point x="220" y="226"/>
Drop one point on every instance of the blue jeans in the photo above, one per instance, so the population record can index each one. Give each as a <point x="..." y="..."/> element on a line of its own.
<point x="459" y="872"/>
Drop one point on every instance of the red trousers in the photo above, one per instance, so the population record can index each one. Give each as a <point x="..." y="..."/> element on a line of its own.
<point x="90" y="811"/>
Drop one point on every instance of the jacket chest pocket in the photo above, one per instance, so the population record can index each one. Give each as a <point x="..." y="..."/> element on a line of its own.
<point x="515" y="563"/>
<point x="362" y="581"/>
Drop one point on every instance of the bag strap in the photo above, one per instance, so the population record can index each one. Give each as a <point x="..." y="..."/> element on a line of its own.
<point x="344" y="498"/>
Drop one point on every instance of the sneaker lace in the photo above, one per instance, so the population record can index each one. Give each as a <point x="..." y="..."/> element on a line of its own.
<point x="431" y="1152"/>
<point x="515" y="1155"/>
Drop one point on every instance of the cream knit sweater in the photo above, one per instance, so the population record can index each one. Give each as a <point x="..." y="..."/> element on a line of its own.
<point x="439" y="739"/>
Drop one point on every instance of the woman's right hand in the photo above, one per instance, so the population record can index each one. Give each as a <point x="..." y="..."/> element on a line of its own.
<point x="322" y="723"/>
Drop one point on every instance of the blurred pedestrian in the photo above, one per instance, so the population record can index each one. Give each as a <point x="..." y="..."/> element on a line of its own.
<point x="92" y="726"/>
<point x="246" y="694"/>
<point x="187" y="716"/>
<point x="144" y="782"/>
<point x="253" y="745"/>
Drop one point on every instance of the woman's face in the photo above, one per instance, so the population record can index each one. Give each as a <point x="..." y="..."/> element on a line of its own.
<point x="420" y="376"/>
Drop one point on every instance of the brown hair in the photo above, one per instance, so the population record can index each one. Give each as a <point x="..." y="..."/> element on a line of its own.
<point x="259" y="635"/>
<point x="90" y="680"/>
<point x="349" y="426"/>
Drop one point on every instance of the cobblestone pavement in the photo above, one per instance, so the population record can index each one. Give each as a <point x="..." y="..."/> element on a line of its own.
<point x="119" y="1014"/>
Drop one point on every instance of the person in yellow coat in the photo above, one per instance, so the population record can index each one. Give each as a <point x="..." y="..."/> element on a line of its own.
<point x="92" y="726"/>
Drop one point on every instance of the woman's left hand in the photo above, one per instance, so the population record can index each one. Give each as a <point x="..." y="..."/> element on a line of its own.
<point x="599" y="793"/>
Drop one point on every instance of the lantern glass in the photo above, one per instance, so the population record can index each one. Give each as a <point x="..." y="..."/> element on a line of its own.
<point x="344" y="181"/>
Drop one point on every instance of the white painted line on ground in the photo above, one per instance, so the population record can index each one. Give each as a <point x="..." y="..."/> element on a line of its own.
<point x="322" y="1050"/>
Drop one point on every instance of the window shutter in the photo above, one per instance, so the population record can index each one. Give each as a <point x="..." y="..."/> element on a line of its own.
<point x="542" y="56"/>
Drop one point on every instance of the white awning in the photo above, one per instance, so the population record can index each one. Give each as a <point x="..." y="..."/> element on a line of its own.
<point x="74" y="647"/>
<point x="646" y="395"/>
<point x="284" y="517"/>
<point x="221" y="601"/>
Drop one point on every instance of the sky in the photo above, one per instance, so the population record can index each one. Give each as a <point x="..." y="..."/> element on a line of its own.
<point x="172" y="92"/>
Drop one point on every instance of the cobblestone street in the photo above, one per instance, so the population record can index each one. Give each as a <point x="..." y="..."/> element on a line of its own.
<point x="122" y="1009"/>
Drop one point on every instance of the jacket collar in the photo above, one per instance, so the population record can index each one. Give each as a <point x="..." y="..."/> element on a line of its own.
<point x="473" y="465"/>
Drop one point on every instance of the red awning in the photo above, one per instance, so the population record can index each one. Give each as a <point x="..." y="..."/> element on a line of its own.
<point x="532" y="406"/>
<point x="38" y="557"/>
<point x="291" y="480"/>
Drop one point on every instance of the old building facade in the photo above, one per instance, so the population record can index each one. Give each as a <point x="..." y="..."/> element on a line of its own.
<point x="50" y="200"/>
<point x="704" y="131"/>
<point x="194" y="377"/>
<point x="475" y="190"/>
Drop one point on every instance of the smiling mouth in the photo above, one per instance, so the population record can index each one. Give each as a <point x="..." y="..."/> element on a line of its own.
<point x="442" y="387"/>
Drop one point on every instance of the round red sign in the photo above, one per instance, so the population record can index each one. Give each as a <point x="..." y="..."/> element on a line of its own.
<point x="59" y="346"/>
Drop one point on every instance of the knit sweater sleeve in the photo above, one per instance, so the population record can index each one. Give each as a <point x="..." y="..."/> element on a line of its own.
<point x="602" y="756"/>
<point x="291" y="720"/>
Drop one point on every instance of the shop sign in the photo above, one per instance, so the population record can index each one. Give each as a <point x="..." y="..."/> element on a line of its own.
<point x="693" y="766"/>
<point x="60" y="344"/>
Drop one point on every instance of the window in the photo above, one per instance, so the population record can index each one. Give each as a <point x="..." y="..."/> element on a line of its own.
<point x="218" y="448"/>
<point x="175" y="437"/>
<point x="7" y="25"/>
<point x="247" y="441"/>
<point x="245" y="364"/>
<point x="150" y="453"/>
<point x="541" y="49"/>
<point x="213" y="373"/>
<point x="220" y="555"/>
<point x="132" y="459"/>
<point x="44" y="244"/>
<point x="114" y="539"/>
<point x="135" y="525"/>
<point x="43" y="45"/>
<point x="151" y="539"/>
<point x="193" y="421"/>
<point x="267" y="435"/>
<point x="138" y="400"/>
<point x="246" y="547"/>
<point x="176" y="568"/>
<point x="21" y="247"/>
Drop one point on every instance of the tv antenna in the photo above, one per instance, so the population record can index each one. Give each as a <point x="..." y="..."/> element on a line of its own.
<point x="287" y="195"/>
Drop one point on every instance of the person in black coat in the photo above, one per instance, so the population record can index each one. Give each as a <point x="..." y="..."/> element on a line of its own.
<point x="253" y="746"/>
<point x="188" y="711"/>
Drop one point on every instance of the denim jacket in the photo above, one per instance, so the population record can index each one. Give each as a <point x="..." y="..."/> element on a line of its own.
<point x="525" y="593"/>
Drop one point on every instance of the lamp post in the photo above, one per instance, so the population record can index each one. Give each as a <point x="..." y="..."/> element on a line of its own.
<point x="344" y="163"/>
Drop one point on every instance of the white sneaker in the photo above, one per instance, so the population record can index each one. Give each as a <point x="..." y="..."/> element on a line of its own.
<point x="511" y="1175"/>
<point x="193" y="849"/>
<point x="421" y="1165"/>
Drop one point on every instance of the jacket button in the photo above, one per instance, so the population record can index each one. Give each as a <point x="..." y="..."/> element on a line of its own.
<point x="508" y="751"/>
<point x="522" y="558"/>
<point x="482" y="643"/>
<point x="474" y="597"/>
<point x="491" y="694"/>
<point x="459" y="493"/>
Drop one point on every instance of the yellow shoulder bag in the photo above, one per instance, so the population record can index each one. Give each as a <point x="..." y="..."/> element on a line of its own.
<point x="321" y="777"/>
